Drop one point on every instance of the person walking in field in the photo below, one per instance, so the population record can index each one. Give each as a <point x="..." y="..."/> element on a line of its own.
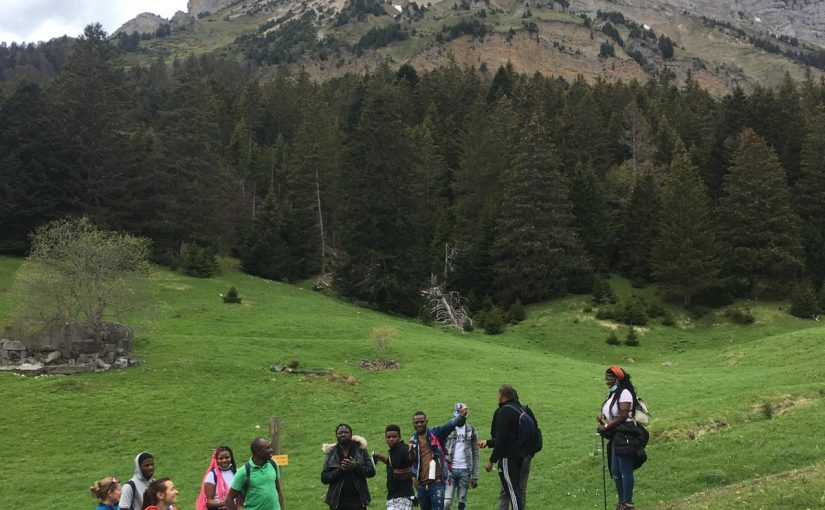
<point x="399" y="470"/>
<point x="216" y="480"/>
<point x="429" y="461"/>
<point x="161" y="494"/>
<point x="462" y="457"/>
<point x="346" y="469"/>
<point x="258" y="482"/>
<point x="107" y="491"/>
<point x="131" y="497"/>
<point x="617" y="409"/>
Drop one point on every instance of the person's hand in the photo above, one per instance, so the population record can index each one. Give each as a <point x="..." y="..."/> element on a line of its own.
<point x="602" y="429"/>
<point x="473" y="483"/>
<point x="601" y="418"/>
<point x="482" y="443"/>
<point x="347" y="464"/>
<point x="488" y="467"/>
<point x="377" y="457"/>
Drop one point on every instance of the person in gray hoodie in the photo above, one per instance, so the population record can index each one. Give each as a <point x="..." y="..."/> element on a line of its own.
<point x="131" y="498"/>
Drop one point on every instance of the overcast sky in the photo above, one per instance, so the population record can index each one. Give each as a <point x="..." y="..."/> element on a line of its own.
<point x="41" y="20"/>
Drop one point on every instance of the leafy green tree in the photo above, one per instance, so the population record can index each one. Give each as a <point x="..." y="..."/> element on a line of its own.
<point x="536" y="250"/>
<point x="685" y="254"/>
<point x="760" y="233"/>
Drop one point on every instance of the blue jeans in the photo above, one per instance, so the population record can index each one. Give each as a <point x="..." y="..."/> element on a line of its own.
<point x="621" y="469"/>
<point x="431" y="496"/>
<point x="459" y="481"/>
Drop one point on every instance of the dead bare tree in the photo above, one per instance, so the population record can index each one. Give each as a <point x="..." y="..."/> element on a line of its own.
<point x="447" y="307"/>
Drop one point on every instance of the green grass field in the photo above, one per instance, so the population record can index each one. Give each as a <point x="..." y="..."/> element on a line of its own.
<point x="204" y="380"/>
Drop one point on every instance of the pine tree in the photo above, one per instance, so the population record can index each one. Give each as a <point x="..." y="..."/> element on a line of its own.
<point x="590" y="215"/>
<point x="639" y="230"/>
<point x="265" y="253"/>
<point x="760" y="233"/>
<point x="536" y="249"/>
<point x="809" y="198"/>
<point x="387" y="253"/>
<point x="685" y="255"/>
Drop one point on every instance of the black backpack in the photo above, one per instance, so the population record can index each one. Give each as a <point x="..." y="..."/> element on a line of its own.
<point x="529" y="433"/>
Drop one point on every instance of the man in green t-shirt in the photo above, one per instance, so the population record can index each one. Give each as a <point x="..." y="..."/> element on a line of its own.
<point x="261" y="487"/>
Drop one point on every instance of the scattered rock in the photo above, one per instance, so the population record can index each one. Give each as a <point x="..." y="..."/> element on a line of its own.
<point x="52" y="357"/>
<point x="121" y="363"/>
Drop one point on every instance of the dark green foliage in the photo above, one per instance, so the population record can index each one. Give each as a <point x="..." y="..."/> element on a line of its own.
<point x="606" y="50"/>
<point x="639" y="229"/>
<point x="666" y="47"/>
<point x="602" y="291"/>
<point x="516" y="313"/>
<point x="685" y="254"/>
<point x="359" y="10"/>
<point x="536" y="249"/>
<point x="612" y="339"/>
<point x="591" y="216"/>
<point x="199" y="261"/>
<point x="667" y="319"/>
<point x="473" y="28"/>
<point x="231" y="296"/>
<point x="493" y="322"/>
<point x="610" y="31"/>
<point x="632" y="338"/>
<point x="804" y="302"/>
<point x="761" y="232"/>
<point x="378" y="37"/>
<point x="265" y="251"/>
<point x="637" y="55"/>
<point x="284" y="45"/>
<point x="634" y="311"/>
<point x="740" y="315"/>
<point x="655" y="310"/>
<point x="809" y="197"/>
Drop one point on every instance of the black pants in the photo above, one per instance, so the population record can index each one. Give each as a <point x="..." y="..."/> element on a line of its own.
<point x="509" y="471"/>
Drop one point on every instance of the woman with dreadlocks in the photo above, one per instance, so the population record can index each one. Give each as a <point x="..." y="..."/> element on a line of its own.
<point x="617" y="409"/>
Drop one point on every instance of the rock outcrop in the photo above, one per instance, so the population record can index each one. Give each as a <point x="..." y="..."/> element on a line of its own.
<point x="143" y="23"/>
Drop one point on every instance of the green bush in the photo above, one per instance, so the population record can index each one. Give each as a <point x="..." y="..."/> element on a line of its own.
<point x="667" y="319"/>
<point x="605" y="313"/>
<point x="232" y="296"/>
<point x="804" y="302"/>
<point x="655" y="310"/>
<point x="740" y="315"/>
<point x="612" y="339"/>
<point x="494" y="321"/>
<point x="199" y="261"/>
<point x="516" y="313"/>
<point x="635" y="311"/>
<point x="632" y="338"/>
<point x="602" y="291"/>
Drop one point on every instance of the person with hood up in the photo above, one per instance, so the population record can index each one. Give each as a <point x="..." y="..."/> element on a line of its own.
<point x="346" y="469"/>
<point x="131" y="498"/>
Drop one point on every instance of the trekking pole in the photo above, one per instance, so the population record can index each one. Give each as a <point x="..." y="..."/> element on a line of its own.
<point x="604" y="474"/>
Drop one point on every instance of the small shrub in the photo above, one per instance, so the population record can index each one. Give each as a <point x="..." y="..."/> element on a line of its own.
<point x="635" y="311"/>
<point x="767" y="410"/>
<point x="383" y="336"/>
<point x="655" y="310"/>
<point x="612" y="339"/>
<point x="804" y="303"/>
<point x="198" y="261"/>
<point x="294" y="364"/>
<point x="698" y="311"/>
<point x="587" y="309"/>
<point x="232" y="296"/>
<point x="632" y="338"/>
<point x="667" y="319"/>
<point x="516" y="313"/>
<point x="605" y="313"/>
<point x="426" y="316"/>
<point x="494" y="321"/>
<point x="740" y="315"/>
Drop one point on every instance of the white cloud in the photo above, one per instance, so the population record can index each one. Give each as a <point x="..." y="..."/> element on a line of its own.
<point x="41" y="20"/>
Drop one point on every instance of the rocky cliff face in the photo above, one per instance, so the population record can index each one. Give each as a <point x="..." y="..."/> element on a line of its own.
<point x="144" y="23"/>
<point x="196" y="7"/>
<point x="803" y="19"/>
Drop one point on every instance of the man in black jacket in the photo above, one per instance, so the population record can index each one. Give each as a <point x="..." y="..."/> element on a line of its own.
<point x="346" y="469"/>
<point x="507" y="451"/>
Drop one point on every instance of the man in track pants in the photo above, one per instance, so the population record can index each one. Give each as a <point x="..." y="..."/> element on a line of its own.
<point x="507" y="452"/>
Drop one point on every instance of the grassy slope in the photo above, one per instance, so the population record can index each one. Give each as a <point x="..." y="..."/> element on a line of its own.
<point x="204" y="382"/>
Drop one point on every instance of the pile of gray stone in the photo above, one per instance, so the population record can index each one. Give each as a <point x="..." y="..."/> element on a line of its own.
<point x="65" y="349"/>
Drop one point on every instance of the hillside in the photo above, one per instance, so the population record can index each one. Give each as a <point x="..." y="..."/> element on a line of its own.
<point x="757" y="42"/>
<point x="204" y="381"/>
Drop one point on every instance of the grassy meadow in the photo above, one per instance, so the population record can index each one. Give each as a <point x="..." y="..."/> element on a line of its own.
<point x="739" y="411"/>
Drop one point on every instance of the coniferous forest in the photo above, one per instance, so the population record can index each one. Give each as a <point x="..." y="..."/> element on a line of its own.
<point x="526" y="187"/>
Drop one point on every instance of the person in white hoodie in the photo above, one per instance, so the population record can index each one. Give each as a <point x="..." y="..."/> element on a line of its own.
<point x="131" y="498"/>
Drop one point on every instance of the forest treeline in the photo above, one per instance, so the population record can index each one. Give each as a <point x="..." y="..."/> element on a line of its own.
<point x="517" y="188"/>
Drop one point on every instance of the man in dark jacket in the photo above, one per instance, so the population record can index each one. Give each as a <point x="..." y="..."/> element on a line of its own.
<point x="399" y="470"/>
<point x="346" y="469"/>
<point x="507" y="451"/>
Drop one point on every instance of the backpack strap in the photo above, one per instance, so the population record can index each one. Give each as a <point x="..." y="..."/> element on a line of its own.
<point x="248" y="474"/>
<point x="131" y="484"/>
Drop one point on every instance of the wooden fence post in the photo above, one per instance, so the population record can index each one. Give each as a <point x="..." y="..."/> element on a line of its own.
<point x="275" y="434"/>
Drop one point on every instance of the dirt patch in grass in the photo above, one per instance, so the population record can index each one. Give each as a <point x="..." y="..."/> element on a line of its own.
<point x="691" y="432"/>
<point x="379" y="365"/>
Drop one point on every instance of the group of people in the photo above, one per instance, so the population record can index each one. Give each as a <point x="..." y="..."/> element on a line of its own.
<point x="436" y="468"/>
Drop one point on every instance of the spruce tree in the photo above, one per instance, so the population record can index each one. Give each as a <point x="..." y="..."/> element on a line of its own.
<point x="685" y="254"/>
<point x="265" y="253"/>
<point x="639" y="230"/>
<point x="591" y="216"/>
<point x="760" y="233"/>
<point x="536" y="249"/>
<point x="809" y="198"/>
